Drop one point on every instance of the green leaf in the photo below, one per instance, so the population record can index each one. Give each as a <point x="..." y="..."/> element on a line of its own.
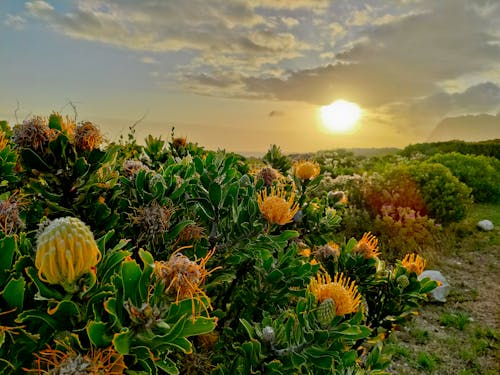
<point x="131" y="273"/>
<point x="349" y="358"/>
<point x="167" y="365"/>
<point x="97" y="332"/>
<point x="121" y="341"/>
<point x="275" y="275"/>
<point x="200" y="326"/>
<point x="13" y="293"/>
<point x="33" y="161"/>
<point x="215" y="193"/>
<point x="183" y="344"/>
<point x="44" y="290"/>
<point x="7" y="248"/>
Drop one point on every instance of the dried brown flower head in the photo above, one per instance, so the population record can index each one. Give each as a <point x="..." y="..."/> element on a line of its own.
<point x="33" y="133"/>
<point x="87" y="136"/>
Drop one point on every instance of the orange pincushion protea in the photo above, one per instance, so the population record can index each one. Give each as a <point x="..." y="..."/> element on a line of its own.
<point x="183" y="277"/>
<point x="341" y="290"/>
<point x="275" y="208"/>
<point x="98" y="361"/>
<point x="414" y="263"/>
<point x="306" y="170"/>
<point x="367" y="246"/>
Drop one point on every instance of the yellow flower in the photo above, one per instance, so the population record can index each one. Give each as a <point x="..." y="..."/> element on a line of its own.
<point x="414" y="263"/>
<point x="275" y="208"/>
<point x="367" y="246"/>
<point x="97" y="361"/>
<point x="183" y="277"/>
<point x="341" y="290"/>
<point x="3" y="140"/>
<point x="305" y="252"/>
<point x="306" y="170"/>
<point x="66" y="250"/>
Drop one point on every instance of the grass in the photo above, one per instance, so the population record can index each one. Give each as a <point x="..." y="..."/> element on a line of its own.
<point x="462" y="335"/>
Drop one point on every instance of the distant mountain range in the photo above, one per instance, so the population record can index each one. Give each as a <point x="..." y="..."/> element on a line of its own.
<point x="469" y="128"/>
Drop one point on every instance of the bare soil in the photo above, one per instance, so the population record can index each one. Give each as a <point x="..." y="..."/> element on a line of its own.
<point x="434" y="345"/>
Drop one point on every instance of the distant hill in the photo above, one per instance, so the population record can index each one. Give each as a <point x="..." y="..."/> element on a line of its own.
<point x="471" y="128"/>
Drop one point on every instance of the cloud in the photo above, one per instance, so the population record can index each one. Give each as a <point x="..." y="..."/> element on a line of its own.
<point x="392" y="58"/>
<point x="276" y="113"/>
<point x="396" y="61"/>
<point x="149" y="60"/>
<point x="14" y="21"/>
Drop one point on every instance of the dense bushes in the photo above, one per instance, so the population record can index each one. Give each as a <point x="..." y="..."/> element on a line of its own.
<point x="480" y="173"/>
<point x="183" y="261"/>
<point x="486" y="148"/>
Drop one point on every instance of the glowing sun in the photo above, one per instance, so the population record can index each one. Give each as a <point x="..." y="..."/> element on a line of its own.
<point x="341" y="116"/>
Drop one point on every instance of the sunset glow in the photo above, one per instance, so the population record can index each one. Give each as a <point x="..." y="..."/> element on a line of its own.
<point x="341" y="116"/>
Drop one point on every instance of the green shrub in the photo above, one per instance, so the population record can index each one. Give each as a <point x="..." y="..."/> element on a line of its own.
<point x="201" y="268"/>
<point x="480" y="173"/>
<point x="446" y="198"/>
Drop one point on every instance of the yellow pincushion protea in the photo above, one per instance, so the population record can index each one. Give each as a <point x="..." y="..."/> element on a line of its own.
<point x="275" y="208"/>
<point x="306" y="170"/>
<point x="66" y="250"/>
<point x="367" y="246"/>
<point x="342" y="291"/>
<point x="414" y="263"/>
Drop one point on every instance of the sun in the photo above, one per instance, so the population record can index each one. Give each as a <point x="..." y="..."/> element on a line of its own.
<point x="341" y="116"/>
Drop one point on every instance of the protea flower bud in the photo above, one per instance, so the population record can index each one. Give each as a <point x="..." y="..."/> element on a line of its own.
<point x="66" y="250"/>
<point x="268" y="334"/>
<point x="326" y="312"/>
<point x="403" y="281"/>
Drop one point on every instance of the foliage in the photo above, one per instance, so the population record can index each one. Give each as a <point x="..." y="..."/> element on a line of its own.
<point x="480" y="173"/>
<point x="276" y="159"/>
<point x="486" y="148"/>
<point x="190" y="274"/>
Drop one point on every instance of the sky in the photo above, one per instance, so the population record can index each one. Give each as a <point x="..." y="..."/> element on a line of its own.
<point x="241" y="75"/>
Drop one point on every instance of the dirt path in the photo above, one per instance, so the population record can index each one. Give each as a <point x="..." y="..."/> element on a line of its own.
<point x="461" y="336"/>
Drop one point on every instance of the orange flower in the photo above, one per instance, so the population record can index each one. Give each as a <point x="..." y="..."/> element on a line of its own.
<point x="275" y="208"/>
<point x="306" y="170"/>
<point x="341" y="290"/>
<point x="98" y="361"/>
<point x="367" y="246"/>
<point x="414" y="263"/>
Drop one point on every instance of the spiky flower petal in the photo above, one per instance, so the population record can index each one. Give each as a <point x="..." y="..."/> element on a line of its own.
<point x="306" y="170"/>
<point x="184" y="277"/>
<point x="69" y="362"/>
<point x="343" y="292"/>
<point x="275" y="207"/>
<point x="367" y="246"/>
<point x="66" y="250"/>
<point x="414" y="263"/>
